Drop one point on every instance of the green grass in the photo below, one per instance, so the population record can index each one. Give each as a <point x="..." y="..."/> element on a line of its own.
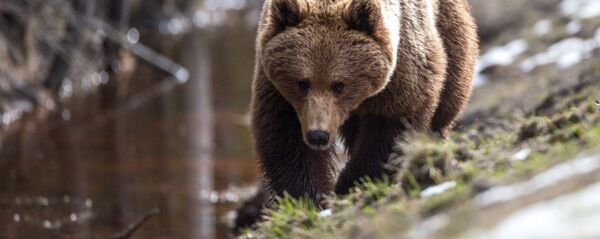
<point x="389" y="208"/>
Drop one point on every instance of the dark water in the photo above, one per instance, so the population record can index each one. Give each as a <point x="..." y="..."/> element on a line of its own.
<point x="93" y="175"/>
<point x="186" y="152"/>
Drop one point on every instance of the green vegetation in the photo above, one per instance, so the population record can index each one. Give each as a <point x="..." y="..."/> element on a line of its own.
<point x="471" y="160"/>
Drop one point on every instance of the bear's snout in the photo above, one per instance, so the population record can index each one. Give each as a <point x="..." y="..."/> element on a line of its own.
<point x="318" y="138"/>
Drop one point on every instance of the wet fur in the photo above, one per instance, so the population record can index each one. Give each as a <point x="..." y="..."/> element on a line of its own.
<point x="427" y="89"/>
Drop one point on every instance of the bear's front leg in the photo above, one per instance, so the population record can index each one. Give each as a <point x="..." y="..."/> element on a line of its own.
<point x="287" y="163"/>
<point x="370" y="152"/>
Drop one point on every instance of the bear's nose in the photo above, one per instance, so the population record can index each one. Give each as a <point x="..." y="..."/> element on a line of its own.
<point x="318" y="137"/>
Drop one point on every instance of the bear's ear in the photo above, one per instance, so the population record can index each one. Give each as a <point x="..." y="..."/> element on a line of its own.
<point x="363" y="15"/>
<point x="286" y="13"/>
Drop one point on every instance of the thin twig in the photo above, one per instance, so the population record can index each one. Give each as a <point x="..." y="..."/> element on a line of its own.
<point x="134" y="226"/>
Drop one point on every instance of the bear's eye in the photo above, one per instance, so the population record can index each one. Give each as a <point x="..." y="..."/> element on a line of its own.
<point x="337" y="87"/>
<point x="304" y="86"/>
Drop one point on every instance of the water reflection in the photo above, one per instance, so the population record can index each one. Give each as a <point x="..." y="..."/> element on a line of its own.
<point x="80" y="179"/>
<point x="202" y="136"/>
<point x="113" y="153"/>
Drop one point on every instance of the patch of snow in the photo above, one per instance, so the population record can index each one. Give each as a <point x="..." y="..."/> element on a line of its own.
<point x="542" y="27"/>
<point x="503" y="55"/>
<point x="580" y="9"/>
<point x="325" y="213"/>
<point x="576" y="215"/>
<point x="521" y="155"/>
<point x="565" y="53"/>
<point x="438" y="189"/>
<point x="573" y="27"/>
<point x="500" y="55"/>
<point x="554" y="175"/>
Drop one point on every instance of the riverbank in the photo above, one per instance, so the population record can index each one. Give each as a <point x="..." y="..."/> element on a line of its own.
<point x="523" y="163"/>
<point x="492" y="169"/>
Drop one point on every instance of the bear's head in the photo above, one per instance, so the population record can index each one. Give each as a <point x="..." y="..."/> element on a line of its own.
<point x="326" y="57"/>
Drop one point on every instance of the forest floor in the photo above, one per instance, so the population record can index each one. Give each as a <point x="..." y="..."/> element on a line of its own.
<point x="523" y="163"/>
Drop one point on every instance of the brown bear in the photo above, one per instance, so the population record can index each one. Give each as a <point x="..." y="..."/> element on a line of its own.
<point x="363" y="70"/>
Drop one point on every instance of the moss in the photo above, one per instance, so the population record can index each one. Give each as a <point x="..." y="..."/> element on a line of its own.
<point x="425" y="160"/>
<point x="290" y="215"/>
<point x="532" y="128"/>
<point x="370" y="193"/>
<point x="469" y="170"/>
<point x="592" y="106"/>
<point x="593" y="135"/>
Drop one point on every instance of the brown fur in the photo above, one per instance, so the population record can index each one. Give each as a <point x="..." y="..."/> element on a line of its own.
<point x="323" y="44"/>
<point x="462" y="48"/>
